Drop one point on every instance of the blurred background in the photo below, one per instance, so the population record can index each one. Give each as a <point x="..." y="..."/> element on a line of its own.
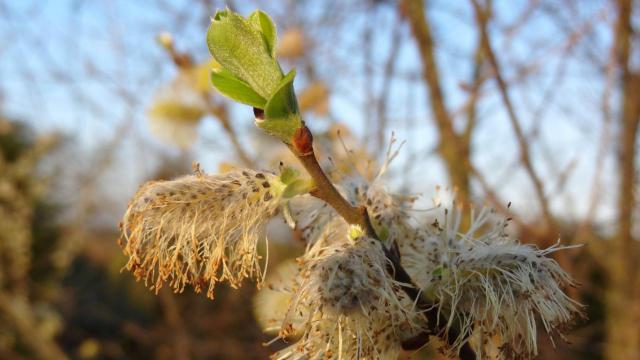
<point x="532" y="103"/>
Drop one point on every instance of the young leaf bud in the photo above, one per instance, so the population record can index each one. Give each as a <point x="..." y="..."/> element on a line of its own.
<point x="250" y="74"/>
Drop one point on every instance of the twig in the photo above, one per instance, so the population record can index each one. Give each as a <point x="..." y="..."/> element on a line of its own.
<point x="525" y="156"/>
<point x="387" y="75"/>
<point x="220" y="113"/>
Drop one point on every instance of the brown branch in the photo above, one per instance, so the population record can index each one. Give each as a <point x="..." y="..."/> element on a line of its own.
<point x="477" y="80"/>
<point x="584" y="228"/>
<point x="525" y="156"/>
<point x="629" y="120"/>
<point x="324" y="189"/>
<point x="452" y="146"/>
<point x="302" y="148"/>
<point x="623" y="278"/>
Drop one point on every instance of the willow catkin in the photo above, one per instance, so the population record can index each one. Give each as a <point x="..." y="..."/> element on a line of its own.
<point x="199" y="229"/>
<point x="353" y="308"/>
<point x="487" y="283"/>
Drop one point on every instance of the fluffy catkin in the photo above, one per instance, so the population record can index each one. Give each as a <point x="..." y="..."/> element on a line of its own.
<point x="199" y="229"/>
<point x="352" y="308"/>
<point x="489" y="284"/>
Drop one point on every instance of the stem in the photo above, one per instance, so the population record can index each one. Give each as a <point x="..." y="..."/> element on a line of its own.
<point x="324" y="189"/>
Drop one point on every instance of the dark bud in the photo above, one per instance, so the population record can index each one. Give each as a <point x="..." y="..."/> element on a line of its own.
<point x="258" y="113"/>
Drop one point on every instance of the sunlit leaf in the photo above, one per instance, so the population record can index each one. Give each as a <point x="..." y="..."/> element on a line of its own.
<point x="236" y="89"/>
<point x="281" y="116"/>
<point x="241" y="49"/>
<point x="263" y="22"/>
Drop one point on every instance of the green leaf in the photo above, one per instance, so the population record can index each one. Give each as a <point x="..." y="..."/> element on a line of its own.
<point x="297" y="187"/>
<point x="288" y="174"/>
<point x="241" y="49"/>
<point x="263" y="22"/>
<point x="236" y="89"/>
<point x="283" y="102"/>
<point x="281" y="114"/>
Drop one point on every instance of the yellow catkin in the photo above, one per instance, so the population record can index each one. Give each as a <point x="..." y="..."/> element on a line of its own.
<point x="199" y="229"/>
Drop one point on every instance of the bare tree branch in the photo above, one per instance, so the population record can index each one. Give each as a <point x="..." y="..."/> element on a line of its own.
<point x="523" y="145"/>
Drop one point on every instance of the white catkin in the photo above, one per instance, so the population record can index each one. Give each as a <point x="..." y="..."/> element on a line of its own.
<point x="352" y="308"/>
<point x="488" y="283"/>
<point x="199" y="229"/>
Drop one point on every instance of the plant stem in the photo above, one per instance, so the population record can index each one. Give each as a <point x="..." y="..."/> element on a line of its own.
<point x="302" y="148"/>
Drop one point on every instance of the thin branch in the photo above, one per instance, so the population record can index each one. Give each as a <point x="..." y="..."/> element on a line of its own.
<point x="523" y="145"/>
<point x="324" y="189"/>
<point x="387" y="77"/>
<point x="220" y="112"/>
<point x="596" y="192"/>
<point x="477" y="80"/>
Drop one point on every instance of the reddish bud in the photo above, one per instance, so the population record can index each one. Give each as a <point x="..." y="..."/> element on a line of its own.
<point x="303" y="141"/>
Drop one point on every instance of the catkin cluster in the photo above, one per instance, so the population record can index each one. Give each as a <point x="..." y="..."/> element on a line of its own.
<point x="489" y="287"/>
<point x="340" y="300"/>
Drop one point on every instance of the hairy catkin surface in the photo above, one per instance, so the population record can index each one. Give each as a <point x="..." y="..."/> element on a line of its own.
<point x="505" y="287"/>
<point x="486" y="284"/>
<point x="199" y="229"/>
<point x="489" y="284"/>
<point x="352" y="308"/>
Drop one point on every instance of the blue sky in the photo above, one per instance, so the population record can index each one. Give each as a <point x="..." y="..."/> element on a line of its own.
<point x="90" y="68"/>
